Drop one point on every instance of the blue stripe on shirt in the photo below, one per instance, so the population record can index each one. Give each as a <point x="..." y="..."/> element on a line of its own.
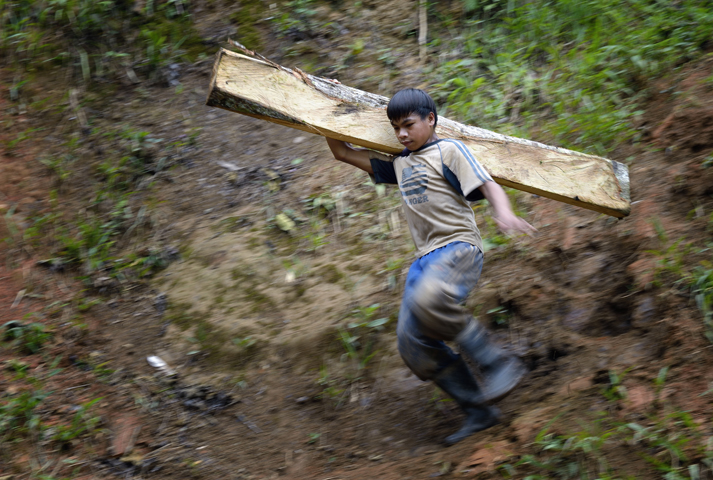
<point x="477" y="168"/>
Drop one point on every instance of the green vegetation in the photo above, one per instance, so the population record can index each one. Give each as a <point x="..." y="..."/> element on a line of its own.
<point x="702" y="289"/>
<point x="361" y="335"/>
<point x="90" y="35"/>
<point x="329" y="385"/>
<point x="673" y="269"/>
<point x="615" y="390"/>
<point x="246" y="19"/>
<point x="674" y="446"/>
<point x="569" y="71"/>
<point x="212" y="341"/>
<point x="245" y="345"/>
<point x="669" y="440"/>
<point x="90" y="241"/>
<point x="364" y="318"/>
<point x="82" y="423"/>
<point x="500" y="316"/>
<point x="29" y="338"/>
<point x="330" y="273"/>
<point x="18" y="414"/>
<point x="297" y="19"/>
<point x="317" y="237"/>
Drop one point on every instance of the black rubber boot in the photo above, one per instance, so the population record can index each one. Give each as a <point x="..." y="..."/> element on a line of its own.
<point x="501" y="371"/>
<point x="458" y="382"/>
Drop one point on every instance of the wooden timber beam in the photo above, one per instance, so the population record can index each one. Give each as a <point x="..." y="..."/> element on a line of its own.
<point x="262" y="89"/>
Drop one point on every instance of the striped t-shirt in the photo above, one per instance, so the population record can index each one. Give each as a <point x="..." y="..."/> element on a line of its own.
<point x="436" y="182"/>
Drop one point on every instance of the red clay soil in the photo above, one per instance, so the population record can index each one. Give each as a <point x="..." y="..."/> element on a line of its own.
<point x="23" y="189"/>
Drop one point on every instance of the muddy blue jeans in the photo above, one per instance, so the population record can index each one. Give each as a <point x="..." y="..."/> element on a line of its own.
<point x="431" y="309"/>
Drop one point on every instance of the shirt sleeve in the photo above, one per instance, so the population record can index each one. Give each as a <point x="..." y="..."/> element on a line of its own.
<point x="383" y="167"/>
<point x="462" y="167"/>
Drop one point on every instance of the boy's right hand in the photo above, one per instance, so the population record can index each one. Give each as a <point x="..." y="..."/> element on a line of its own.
<point x="347" y="154"/>
<point x="510" y="224"/>
<point x="503" y="215"/>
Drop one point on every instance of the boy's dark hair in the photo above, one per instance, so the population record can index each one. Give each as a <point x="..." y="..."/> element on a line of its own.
<point x="408" y="101"/>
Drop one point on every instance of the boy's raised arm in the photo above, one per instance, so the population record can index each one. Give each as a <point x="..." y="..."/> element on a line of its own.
<point x="503" y="215"/>
<point x="345" y="153"/>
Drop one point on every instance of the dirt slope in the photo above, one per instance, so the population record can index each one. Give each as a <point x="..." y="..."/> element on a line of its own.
<point x="256" y="319"/>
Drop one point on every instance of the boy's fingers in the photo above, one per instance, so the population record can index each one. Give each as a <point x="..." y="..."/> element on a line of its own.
<point x="530" y="228"/>
<point x="518" y="226"/>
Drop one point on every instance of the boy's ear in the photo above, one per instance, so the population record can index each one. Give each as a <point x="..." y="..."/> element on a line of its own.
<point x="431" y="119"/>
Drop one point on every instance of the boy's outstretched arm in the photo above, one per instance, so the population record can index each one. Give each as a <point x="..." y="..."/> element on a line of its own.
<point x="507" y="221"/>
<point x="345" y="153"/>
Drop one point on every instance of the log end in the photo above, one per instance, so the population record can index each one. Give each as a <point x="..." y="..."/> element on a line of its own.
<point x="214" y="76"/>
<point x="621" y="172"/>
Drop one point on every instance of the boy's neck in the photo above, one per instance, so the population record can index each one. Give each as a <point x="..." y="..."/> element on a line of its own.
<point x="431" y="139"/>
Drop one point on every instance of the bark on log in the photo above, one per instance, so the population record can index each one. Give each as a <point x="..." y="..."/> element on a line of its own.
<point x="265" y="90"/>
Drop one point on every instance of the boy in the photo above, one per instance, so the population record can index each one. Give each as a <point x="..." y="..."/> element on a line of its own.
<point x="437" y="178"/>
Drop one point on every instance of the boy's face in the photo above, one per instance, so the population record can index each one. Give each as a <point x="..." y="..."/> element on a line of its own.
<point x="413" y="132"/>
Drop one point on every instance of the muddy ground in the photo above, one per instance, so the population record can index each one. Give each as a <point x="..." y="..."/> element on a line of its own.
<point x="257" y="320"/>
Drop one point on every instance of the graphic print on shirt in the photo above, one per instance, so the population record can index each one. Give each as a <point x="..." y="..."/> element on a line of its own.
<point x="414" y="182"/>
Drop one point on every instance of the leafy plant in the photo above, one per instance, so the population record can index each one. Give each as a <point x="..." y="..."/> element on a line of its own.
<point x="244" y="343"/>
<point x="321" y="204"/>
<point x="140" y="265"/>
<point x="667" y="440"/>
<point x="364" y="318"/>
<point x="102" y="371"/>
<point x="360" y="355"/>
<point x="360" y="336"/>
<point x="82" y="423"/>
<point x="615" y="391"/>
<point x="500" y="315"/>
<point x="90" y="244"/>
<point x="660" y="380"/>
<point x="707" y="162"/>
<point x="30" y="337"/>
<point x="20" y="137"/>
<point x="18" y="414"/>
<point x="328" y="384"/>
<point x="38" y="224"/>
<point x="569" y="457"/>
<point x="317" y="237"/>
<point x="702" y="290"/>
<point x="297" y="19"/>
<point x="670" y="264"/>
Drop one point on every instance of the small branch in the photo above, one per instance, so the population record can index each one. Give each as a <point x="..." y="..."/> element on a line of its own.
<point x="18" y="298"/>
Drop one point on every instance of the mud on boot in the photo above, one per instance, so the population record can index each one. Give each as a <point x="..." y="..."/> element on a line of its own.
<point x="458" y="382"/>
<point x="477" y="419"/>
<point x="502" y="378"/>
<point x="502" y="372"/>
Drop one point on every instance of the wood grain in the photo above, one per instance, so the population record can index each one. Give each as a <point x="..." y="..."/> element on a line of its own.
<point x="295" y="99"/>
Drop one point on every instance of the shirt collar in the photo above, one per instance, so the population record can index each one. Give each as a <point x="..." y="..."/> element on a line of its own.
<point x="425" y="145"/>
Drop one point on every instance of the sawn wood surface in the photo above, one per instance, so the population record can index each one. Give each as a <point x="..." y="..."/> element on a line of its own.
<point x="295" y="99"/>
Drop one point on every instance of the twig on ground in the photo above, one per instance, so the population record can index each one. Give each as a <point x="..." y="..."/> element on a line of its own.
<point x="242" y="419"/>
